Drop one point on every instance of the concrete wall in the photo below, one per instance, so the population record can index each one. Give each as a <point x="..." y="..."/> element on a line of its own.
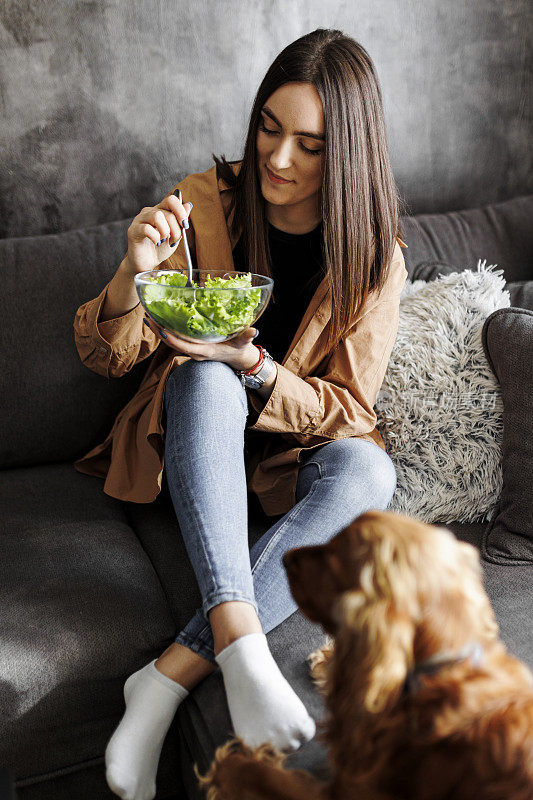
<point x="104" y="104"/>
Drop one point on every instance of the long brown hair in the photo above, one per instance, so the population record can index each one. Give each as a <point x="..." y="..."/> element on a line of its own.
<point x="360" y="200"/>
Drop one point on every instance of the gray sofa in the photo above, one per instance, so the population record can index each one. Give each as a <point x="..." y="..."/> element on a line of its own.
<point x="92" y="588"/>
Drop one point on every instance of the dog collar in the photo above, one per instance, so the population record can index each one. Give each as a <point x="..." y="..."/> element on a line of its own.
<point x="472" y="651"/>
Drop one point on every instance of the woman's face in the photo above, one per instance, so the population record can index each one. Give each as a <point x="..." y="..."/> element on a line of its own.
<point x="291" y="144"/>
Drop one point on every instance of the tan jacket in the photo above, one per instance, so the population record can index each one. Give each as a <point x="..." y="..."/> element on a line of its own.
<point x="317" y="397"/>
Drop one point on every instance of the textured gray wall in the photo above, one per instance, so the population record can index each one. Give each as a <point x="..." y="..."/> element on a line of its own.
<point x="104" y="104"/>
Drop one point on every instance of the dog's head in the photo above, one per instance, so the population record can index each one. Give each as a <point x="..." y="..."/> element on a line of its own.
<point x="391" y="590"/>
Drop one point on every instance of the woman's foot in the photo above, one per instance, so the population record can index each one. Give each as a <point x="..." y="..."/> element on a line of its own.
<point x="132" y="753"/>
<point x="262" y="704"/>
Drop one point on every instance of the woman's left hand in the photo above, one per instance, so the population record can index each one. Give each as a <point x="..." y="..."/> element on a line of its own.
<point x="239" y="353"/>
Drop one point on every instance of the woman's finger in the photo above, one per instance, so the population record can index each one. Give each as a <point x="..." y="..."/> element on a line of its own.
<point x="166" y="224"/>
<point x="183" y="208"/>
<point x="244" y="338"/>
<point x="181" y="211"/>
<point x="153" y="327"/>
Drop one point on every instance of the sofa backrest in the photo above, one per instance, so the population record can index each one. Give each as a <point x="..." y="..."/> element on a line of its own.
<point x="502" y="233"/>
<point x="56" y="409"/>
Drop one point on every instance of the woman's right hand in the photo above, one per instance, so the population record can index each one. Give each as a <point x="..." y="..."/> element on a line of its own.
<point x="163" y="221"/>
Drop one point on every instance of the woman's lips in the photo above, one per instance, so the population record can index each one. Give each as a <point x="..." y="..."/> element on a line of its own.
<point x="274" y="178"/>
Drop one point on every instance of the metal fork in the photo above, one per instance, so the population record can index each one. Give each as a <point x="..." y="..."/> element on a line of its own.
<point x="186" y="248"/>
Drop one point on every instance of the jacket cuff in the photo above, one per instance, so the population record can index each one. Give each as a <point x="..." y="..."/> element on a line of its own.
<point x="292" y="407"/>
<point x="122" y="333"/>
<point x="112" y="335"/>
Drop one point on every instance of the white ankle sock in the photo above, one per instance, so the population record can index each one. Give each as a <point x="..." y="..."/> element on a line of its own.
<point x="132" y="753"/>
<point x="262" y="704"/>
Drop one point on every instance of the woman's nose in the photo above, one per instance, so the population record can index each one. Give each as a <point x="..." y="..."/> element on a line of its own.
<point x="280" y="158"/>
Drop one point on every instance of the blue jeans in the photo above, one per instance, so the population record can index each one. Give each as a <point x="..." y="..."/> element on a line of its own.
<point x="206" y="410"/>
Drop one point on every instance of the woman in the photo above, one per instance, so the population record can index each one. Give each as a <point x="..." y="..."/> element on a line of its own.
<point x="313" y="204"/>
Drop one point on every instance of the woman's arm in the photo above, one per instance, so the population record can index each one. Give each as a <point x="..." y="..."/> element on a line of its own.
<point x="121" y="295"/>
<point x="111" y="347"/>
<point x="109" y="331"/>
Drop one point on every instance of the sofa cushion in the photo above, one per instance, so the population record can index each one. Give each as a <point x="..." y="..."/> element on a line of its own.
<point x="521" y="294"/>
<point x="439" y="408"/>
<point x="508" y="341"/>
<point x="430" y="270"/>
<point x="156" y="526"/>
<point x="56" y="409"/>
<point x="500" y="232"/>
<point x="81" y="609"/>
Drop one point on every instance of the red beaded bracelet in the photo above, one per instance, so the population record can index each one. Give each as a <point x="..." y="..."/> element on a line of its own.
<point x="249" y="371"/>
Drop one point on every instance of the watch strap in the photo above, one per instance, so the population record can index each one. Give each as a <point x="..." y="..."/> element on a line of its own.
<point x="257" y="380"/>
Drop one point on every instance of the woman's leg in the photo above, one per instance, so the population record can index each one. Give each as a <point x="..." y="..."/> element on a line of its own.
<point x="336" y="483"/>
<point x="206" y="409"/>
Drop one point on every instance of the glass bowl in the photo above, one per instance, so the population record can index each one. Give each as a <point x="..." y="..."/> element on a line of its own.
<point x="206" y="312"/>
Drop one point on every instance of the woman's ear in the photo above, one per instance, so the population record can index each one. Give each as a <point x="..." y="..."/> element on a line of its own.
<point x="382" y="648"/>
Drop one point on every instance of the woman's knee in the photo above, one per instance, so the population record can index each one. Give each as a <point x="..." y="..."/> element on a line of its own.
<point x="358" y="463"/>
<point x="215" y="377"/>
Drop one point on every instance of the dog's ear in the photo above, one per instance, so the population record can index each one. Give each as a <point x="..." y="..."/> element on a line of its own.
<point x="380" y="638"/>
<point x="380" y="615"/>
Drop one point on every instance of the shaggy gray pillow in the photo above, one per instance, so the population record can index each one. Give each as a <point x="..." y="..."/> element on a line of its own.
<point x="520" y="292"/>
<point x="440" y="409"/>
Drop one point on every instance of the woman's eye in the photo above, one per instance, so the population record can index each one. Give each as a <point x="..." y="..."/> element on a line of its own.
<point x="307" y="150"/>
<point x="265" y="130"/>
<point x="273" y="133"/>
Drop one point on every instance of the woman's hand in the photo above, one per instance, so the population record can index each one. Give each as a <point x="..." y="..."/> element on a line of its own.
<point x="239" y="353"/>
<point x="151" y="225"/>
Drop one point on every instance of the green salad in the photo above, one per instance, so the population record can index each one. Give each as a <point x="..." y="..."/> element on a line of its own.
<point x="204" y="311"/>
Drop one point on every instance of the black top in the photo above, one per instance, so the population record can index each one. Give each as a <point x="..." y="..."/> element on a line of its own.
<point x="297" y="270"/>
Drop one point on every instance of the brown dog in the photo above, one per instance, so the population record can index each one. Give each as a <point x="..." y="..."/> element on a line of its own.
<point x="423" y="700"/>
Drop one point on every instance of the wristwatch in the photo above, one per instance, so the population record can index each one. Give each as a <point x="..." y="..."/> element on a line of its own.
<point x="257" y="380"/>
